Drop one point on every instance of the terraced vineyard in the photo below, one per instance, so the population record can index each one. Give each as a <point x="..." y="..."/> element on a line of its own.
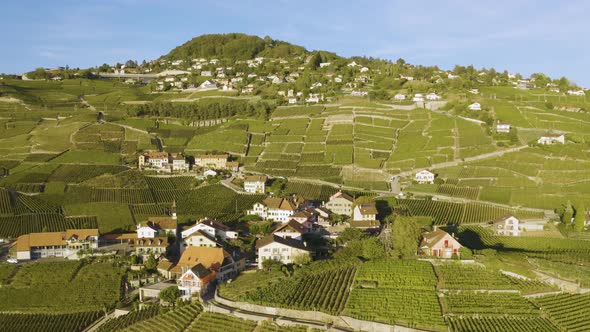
<point x="121" y="322"/>
<point x="456" y="191"/>
<point x="396" y="292"/>
<point x="172" y="321"/>
<point x="456" y="276"/>
<point x="74" y="322"/>
<point x="14" y="226"/>
<point x="481" y="303"/>
<point x="571" y="312"/>
<point x="326" y="290"/>
<point x="500" y="324"/>
<point x="445" y="212"/>
<point x="214" y="322"/>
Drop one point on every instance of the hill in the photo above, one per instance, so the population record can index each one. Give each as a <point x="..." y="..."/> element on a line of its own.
<point x="234" y="46"/>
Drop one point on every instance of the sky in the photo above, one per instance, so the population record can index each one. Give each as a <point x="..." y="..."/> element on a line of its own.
<point x="524" y="36"/>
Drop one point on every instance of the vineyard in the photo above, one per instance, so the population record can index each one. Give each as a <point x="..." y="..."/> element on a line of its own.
<point x="481" y="303"/>
<point x="457" y="191"/>
<point x="214" y="322"/>
<point x="64" y="286"/>
<point x="172" y="321"/>
<point x="457" y="276"/>
<point x="475" y="236"/>
<point x="78" y="173"/>
<point x="571" y="312"/>
<point x="72" y="322"/>
<point x="500" y="324"/>
<point x="121" y="322"/>
<point x="309" y="190"/>
<point x="445" y="212"/>
<point x="14" y="226"/>
<point x="265" y="326"/>
<point x="325" y="291"/>
<point x="396" y="292"/>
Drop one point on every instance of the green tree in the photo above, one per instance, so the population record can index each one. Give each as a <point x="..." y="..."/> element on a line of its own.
<point x="151" y="263"/>
<point x="406" y="234"/>
<point x="568" y="213"/>
<point x="302" y="259"/>
<point x="580" y="218"/>
<point x="170" y="295"/>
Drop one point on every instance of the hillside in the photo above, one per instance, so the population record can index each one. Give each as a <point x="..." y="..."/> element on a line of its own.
<point x="233" y="46"/>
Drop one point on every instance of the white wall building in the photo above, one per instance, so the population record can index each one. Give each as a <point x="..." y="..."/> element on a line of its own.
<point x="424" y="176"/>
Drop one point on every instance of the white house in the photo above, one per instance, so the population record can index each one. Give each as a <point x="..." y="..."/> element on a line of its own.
<point x="255" y="184"/>
<point x="364" y="212"/>
<point x="179" y="163"/>
<point x="433" y="96"/>
<point x="206" y="73"/>
<point x="418" y="98"/>
<point x="439" y="243"/>
<point x="502" y="127"/>
<point x="199" y="238"/>
<point x="324" y="64"/>
<point x="399" y="96"/>
<point x="208" y="85"/>
<point x="291" y="230"/>
<point x="55" y="244"/>
<point x="474" y="107"/>
<point x="210" y="172"/>
<point x="211" y="227"/>
<point x="274" y="208"/>
<point x="364" y="69"/>
<point x="357" y="93"/>
<point x="313" y="98"/>
<point x="279" y="249"/>
<point x="507" y="225"/>
<point x="576" y="92"/>
<point x="548" y="139"/>
<point x="292" y="100"/>
<point x="424" y="176"/>
<point x="352" y="64"/>
<point x="194" y="280"/>
<point x="157" y="160"/>
<point x="340" y="203"/>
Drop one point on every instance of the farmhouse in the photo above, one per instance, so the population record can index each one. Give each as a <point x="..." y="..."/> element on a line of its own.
<point x="340" y="203"/>
<point x="255" y="184"/>
<point x="212" y="228"/>
<point x="474" y="107"/>
<point x="548" y="139"/>
<point x="290" y="230"/>
<point x="507" y="225"/>
<point x="399" y="96"/>
<point x="208" y="85"/>
<point x="279" y="249"/>
<point x="439" y="243"/>
<point x="56" y="244"/>
<point x="433" y="96"/>
<point x="424" y="176"/>
<point x="154" y="159"/>
<point x="502" y="127"/>
<point x="212" y="161"/>
<point x="364" y="212"/>
<point x="274" y="208"/>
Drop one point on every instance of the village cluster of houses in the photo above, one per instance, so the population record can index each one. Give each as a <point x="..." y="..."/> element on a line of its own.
<point x="169" y="162"/>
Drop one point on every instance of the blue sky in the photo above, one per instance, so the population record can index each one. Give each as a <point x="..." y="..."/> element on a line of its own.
<point x="523" y="36"/>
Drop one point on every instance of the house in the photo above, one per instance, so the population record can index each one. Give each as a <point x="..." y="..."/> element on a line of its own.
<point x="164" y="266"/>
<point x="439" y="243"/>
<point x="352" y="64"/>
<point x="200" y="238"/>
<point x="433" y="96"/>
<point x="324" y="64"/>
<point x="213" y="228"/>
<point x="292" y="100"/>
<point x="279" y="249"/>
<point x="550" y="138"/>
<point x="418" y="98"/>
<point x="474" y="91"/>
<point x="254" y="184"/>
<point x="212" y="161"/>
<point x="364" y="69"/>
<point x="576" y="92"/>
<point x="210" y="172"/>
<point x="274" y="208"/>
<point x="159" y="226"/>
<point x="194" y="280"/>
<point x="502" y="127"/>
<point x="338" y="79"/>
<point x="340" y="203"/>
<point x="225" y="265"/>
<point x="305" y="218"/>
<point x="291" y="230"/>
<point x="56" y="244"/>
<point x="364" y="212"/>
<point x="179" y="163"/>
<point x="158" y="160"/>
<point x="507" y="225"/>
<point x="474" y="107"/>
<point x="524" y="84"/>
<point x="313" y="98"/>
<point x="356" y="93"/>
<point x="424" y="176"/>
<point x="208" y="85"/>
<point x="147" y="246"/>
<point x="399" y="96"/>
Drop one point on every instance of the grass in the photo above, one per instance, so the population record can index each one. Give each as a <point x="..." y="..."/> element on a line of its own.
<point x="112" y="217"/>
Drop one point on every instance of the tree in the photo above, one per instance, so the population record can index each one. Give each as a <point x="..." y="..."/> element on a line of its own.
<point x="350" y="234"/>
<point x="170" y="295"/>
<point x="302" y="259"/>
<point x="568" y="213"/>
<point x="580" y="218"/>
<point x="406" y="234"/>
<point x="151" y="263"/>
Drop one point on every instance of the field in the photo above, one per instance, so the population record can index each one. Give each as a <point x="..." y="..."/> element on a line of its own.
<point x="75" y="322"/>
<point x="569" y="311"/>
<point x="62" y="287"/>
<point x="396" y="292"/>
